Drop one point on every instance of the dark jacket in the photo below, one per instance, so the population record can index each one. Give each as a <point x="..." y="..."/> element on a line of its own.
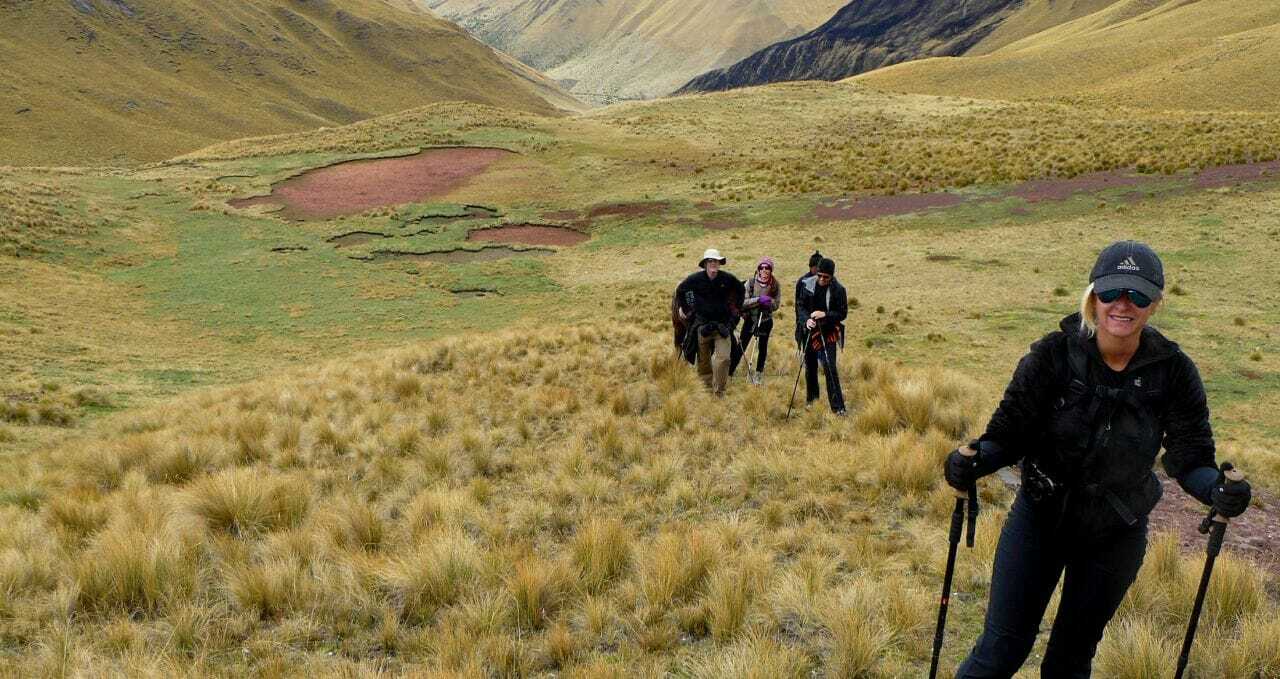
<point x="711" y="300"/>
<point x="831" y="299"/>
<point x="800" y="291"/>
<point x="1096" y="431"/>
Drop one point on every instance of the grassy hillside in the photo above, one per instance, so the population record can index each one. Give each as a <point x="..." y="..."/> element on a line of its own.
<point x="1221" y="55"/>
<point x="627" y="49"/>
<point x="105" y="81"/>
<point x="569" y="503"/>
<point x="1035" y="16"/>
<point x="237" y="443"/>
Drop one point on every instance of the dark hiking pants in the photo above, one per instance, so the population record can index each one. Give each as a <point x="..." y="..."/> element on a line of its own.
<point x="827" y="356"/>
<point x="1032" y="556"/>
<point x="749" y="331"/>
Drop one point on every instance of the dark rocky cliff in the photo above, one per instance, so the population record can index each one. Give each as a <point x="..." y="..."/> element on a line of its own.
<point x="865" y="35"/>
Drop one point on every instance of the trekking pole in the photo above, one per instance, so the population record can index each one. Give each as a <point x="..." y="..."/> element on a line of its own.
<point x="1216" y="527"/>
<point x="826" y="363"/>
<point x="957" y="524"/>
<point x="798" y="372"/>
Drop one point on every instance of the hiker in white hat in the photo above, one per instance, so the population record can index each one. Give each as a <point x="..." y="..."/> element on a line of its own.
<point x="709" y="299"/>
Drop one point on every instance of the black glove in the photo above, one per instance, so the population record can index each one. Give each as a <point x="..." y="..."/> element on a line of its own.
<point x="1230" y="499"/>
<point x="961" y="471"/>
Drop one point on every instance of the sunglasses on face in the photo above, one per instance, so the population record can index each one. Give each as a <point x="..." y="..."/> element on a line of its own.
<point x="1139" y="300"/>
<point x="764" y="267"/>
<point x="824" y="276"/>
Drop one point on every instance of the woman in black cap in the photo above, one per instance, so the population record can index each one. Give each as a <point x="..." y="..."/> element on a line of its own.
<point x="1085" y="415"/>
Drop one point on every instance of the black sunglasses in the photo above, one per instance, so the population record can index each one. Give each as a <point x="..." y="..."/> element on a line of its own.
<point x="1139" y="300"/>
<point x="764" y="266"/>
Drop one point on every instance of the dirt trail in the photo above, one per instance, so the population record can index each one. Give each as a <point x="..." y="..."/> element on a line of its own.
<point x="360" y="185"/>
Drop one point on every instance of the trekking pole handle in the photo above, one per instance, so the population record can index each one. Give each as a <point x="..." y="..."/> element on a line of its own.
<point x="969" y="453"/>
<point x="1232" y="475"/>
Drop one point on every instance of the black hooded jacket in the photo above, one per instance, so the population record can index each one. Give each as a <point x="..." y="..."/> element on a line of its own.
<point x="1098" y="431"/>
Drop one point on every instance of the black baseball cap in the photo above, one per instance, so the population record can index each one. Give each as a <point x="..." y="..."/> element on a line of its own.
<point x="1129" y="265"/>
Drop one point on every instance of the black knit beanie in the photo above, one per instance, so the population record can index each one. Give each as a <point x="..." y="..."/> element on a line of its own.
<point x="827" y="266"/>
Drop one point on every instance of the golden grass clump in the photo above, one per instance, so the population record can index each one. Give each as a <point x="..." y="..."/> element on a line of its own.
<point x="602" y="552"/>
<point x="243" y="501"/>
<point x="1134" y="649"/>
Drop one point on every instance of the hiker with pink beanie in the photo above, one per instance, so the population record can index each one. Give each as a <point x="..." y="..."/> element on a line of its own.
<point x="763" y="296"/>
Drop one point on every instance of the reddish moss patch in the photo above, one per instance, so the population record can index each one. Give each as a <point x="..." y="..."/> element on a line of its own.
<point x="530" y="234"/>
<point x="1230" y="175"/>
<point x="356" y="186"/>
<point x="628" y="209"/>
<point x="872" y="207"/>
<point x="1061" y="189"/>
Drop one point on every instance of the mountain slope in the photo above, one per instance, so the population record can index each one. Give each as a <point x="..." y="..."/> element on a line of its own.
<point x="865" y="35"/>
<point x="605" y="50"/>
<point x="138" y="80"/>
<point x="1169" y="54"/>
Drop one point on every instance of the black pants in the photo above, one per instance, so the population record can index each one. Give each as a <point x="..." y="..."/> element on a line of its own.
<point x="827" y="356"/>
<point x="1033" y="553"/>
<point x="749" y="331"/>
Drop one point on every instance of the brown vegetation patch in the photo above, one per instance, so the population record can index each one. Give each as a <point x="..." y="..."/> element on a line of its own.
<point x="1254" y="534"/>
<point x="359" y="185"/>
<point x="530" y="234"/>
<point x="456" y="256"/>
<point x="1039" y="190"/>
<point x="872" y="207"/>
<point x="1230" y="175"/>
<point x="721" y="225"/>
<point x="628" y="209"/>
<point x="345" y="240"/>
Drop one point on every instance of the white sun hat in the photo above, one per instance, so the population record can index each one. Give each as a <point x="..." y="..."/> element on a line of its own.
<point x="711" y="253"/>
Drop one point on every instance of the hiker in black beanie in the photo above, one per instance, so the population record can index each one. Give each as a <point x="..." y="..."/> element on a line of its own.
<point x="801" y="332"/>
<point x="824" y="305"/>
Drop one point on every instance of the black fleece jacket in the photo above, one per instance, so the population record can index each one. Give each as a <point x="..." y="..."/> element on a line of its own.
<point x="1108" y="431"/>
<point x="711" y="300"/>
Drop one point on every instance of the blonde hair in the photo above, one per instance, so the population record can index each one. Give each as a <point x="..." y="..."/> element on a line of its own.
<point x="1089" y="312"/>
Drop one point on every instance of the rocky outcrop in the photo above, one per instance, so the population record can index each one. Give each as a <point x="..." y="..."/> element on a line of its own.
<point x="863" y="36"/>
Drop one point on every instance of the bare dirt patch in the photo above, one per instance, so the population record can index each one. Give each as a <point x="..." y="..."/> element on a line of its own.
<point x="359" y="185"/>
<point x="530" y="234"/>
<point x="456" y="256"/>
<point x="872" y="207"/>
<point x="1230" y="175"/>
<point x="1254" y="534"/>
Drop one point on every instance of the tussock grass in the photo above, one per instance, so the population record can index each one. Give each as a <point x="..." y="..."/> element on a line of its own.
<point x="322" y="522"/>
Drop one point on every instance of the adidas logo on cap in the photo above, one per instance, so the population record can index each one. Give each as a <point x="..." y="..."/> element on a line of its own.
<point x="1128" y="265"/>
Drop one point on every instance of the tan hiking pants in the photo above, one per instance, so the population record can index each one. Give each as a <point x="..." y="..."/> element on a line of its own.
<point x="713" y="361"/>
